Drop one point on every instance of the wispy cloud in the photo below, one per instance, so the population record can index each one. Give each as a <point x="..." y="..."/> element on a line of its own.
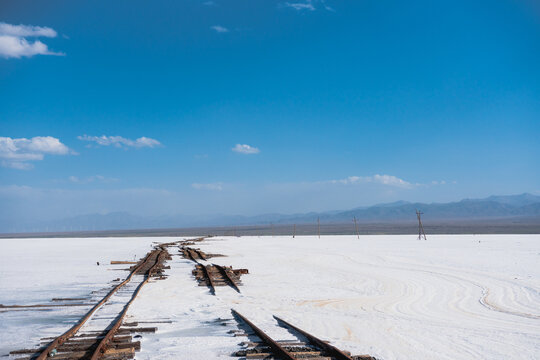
<point x="301" y="6"/>
<point x="13" y="42"/>
<point x="91" y="179"/>
<point x="441" y="182"/>
<point x="245" y="149"/>
<point x="26" y="30"/>
<point x="308" y="5"/>
<point x="389" y="180"/>
<point x="120" y="142"/>
<point x="17" y="153"/>
<point x="219" y="29"/>
<point x="211" y="186"/>
<point x="209" y="3"/>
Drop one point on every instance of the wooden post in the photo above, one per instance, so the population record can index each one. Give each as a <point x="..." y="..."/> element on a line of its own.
<point x="319" y="227"/>
<point x="356" y="227"/>
<point x="294" y="231"/>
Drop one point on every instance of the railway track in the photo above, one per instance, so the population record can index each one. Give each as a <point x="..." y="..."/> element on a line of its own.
<point x="95" y="336"/>
<point x="212" y="275"/>
<point x="102" y="334"/>
<point x="193" y="254"/>
<point x="216" y="275"/>
<point x="307" y="346"/>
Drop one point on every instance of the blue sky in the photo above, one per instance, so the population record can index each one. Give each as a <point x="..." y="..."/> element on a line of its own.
<point x="341" y="104"/>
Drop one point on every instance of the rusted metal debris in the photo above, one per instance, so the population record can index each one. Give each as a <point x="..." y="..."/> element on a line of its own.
<point x="313" y="348"/>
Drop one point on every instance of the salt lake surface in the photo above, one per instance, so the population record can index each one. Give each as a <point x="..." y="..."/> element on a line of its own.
<point x="393" y="297"/>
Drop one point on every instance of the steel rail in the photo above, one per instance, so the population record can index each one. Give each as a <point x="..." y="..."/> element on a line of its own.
<point x="276" y="347"/>
<point x="190" y="254"/>
<point x="73" y="330"/>
<point x="331" y="350"/>
<point x="210" y="280"/>
<point x="101" y="348"/>
<point x="229" y="278"/>
<point x="201" y="255"/>
<point x="205" y="270"/>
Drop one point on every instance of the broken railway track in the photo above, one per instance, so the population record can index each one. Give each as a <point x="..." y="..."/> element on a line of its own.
<point x="307" y="346"/>
<point x="212" y="275"/>
<point x="94" y="336"/>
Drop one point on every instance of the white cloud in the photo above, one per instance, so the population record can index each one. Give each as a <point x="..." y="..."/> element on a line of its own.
<point x="301" y="6"/>
<point x="308" y="5"/>
<point x="245" y="149"/>
<point x="389" y="180"/>
<point x="121" y="142"/>
<point x="26" y="30"/>
<point x="17" y="152"/>
<point x="211" y="186"/>
<point x="219" y="29"/>
<point x="13" y="42"/>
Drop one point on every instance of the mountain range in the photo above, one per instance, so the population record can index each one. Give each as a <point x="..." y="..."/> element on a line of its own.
<point x="494" y="207"/>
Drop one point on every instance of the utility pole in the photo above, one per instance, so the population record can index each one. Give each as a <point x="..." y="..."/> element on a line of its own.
<point x="319" y="227"/>
<point x="294" y="231"/>
<point x="356" y="227"/>
<point x="421" y="231"/>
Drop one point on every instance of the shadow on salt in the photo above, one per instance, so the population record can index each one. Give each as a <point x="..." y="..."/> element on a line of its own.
<point x="203" y="330"/>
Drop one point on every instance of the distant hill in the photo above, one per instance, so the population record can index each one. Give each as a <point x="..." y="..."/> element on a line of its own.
<point x="493" y="207"/>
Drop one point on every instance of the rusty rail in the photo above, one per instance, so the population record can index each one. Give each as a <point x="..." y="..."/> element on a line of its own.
<point x="73" y="330"/>
<point x="190" y="254"/>
<point x="210" y="280"/>
<point x="101" y="348"/>
<point x="275" y="346"/>
<point x="227" y="276"/>
<point x="201" y="255"/>
<point x="329" y="349"/>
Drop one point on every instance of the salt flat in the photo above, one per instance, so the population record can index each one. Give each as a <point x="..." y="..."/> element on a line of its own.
<point x="393" y="297"/>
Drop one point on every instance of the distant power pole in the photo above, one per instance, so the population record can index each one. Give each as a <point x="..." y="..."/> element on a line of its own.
<point x="319" y="227"/>
<point x="356" y="227"/>
<point x="421" y="231"/>
<point x="294" y="231"/>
